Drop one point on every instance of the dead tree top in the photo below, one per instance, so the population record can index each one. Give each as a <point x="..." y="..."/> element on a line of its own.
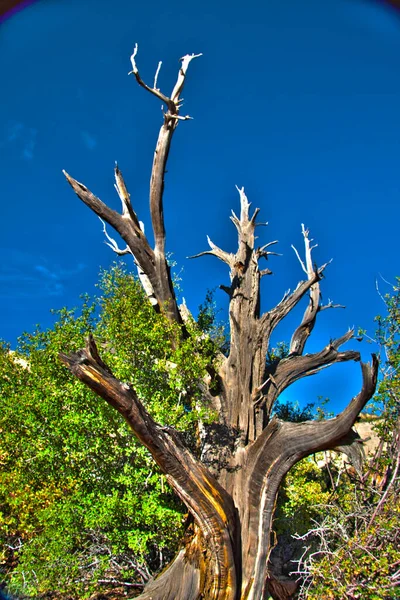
<point x="230" y="487"/>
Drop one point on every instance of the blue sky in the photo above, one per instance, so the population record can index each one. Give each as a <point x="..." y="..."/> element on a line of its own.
<point x="296" y="101"/>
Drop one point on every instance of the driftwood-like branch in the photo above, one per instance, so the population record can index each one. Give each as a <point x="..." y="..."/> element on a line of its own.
<point x="295" y="367"/>
<point x="127" y="210"/>
<point x="209" y="503"/>
<point x="113" y="244"/>
<point x="171" y="119"/>
<point x="272" y="318"/>
<point x="124" y="225"/>
<point x="143" y="278"/>
<point x="305" y="328"/>
<point x="265" y="272"/>
<point x="331" y="433"/>
<point x="145" y="281"/>
<point x="245" y="219"/>
<point x="102" y="210"/>
<point x="172" y="101"/>
<point x="280" y="446"/>
<point x="226" y="257"/>
<point x="263" y="253"/>
<point x="153" y="90"/>
<point x="152" y="264"/>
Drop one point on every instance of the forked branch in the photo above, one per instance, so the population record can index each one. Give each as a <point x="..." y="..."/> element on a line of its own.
<point x="171" y="118"/>
<point x="172" y="101"/>
<point x="305" y="328"/>
<point x="152" y="264"/>
<point x="272" y="318"/>
<point x="334" y="432"/>
<point x="298" y="440"/>
<point x="126" y="225"/>
<point x="295" y="367"/>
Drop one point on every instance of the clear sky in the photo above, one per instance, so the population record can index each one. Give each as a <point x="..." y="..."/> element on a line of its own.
<point x="296" y="101"/>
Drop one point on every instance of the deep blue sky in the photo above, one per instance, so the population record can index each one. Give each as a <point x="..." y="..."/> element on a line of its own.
<point x="296" y="101"/>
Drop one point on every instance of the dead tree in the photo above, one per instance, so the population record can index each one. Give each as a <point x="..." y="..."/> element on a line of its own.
<point x="225" y="552"/>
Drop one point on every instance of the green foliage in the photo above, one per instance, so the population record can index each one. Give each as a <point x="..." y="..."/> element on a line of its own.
<point x="388" y="337"/>
<point x="208" y="323"/>
<point x="291" y="411"/>
<point x="354" y="547"/>
<point x="306" y="488"/>
<point x="276" y="354"/>
<point x="80" y="500"/>
<point x="363" y="557"/>
<point x="138" y="344"/>
<point x="302" y="498"/>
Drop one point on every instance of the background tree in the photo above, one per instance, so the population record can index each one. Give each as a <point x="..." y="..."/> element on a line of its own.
<point x="230" y="482"/>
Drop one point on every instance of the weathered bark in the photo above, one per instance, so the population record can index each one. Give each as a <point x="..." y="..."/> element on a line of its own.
<point x="208" y="502"/>
<point x="231" y="490"/>
<point x="151" y="262"/>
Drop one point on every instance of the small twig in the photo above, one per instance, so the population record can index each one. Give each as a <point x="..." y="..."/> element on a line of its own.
<point x="330" y="305"/>
<point x="156" y="75"/>
<point x="300" y="260"/>
<point x="140" y="81"/>
<point x="113" y="244"/>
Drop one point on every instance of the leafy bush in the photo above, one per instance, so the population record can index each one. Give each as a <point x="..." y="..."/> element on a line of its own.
<point x="354" y="546"/>
<point x="80" y="501"/>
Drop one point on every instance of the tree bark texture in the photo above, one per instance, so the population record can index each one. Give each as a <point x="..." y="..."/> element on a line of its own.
<point x="231" y="489"/>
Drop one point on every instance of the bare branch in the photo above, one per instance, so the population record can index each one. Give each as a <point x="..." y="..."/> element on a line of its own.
<point x="265" y="272"/>
<point x="211" y="506"/>
<point x="235" y="219"/>
<point x="182" y="118"/>
<point x="112" y="243"/>
<point x="144" y="279"/>
<point x="176" y="92"/>
<point x="164" y="285"/>
<point x="330" y="305"/>
<point x="271" y="319"/>
<point x="127" y="210"/>
<point x="300" y="260"/>
<point x="127" y="229"/>
<point x="301" y="439"/>
<point x="244" y="205"/>
<point x="295" y="367"/>
<point x="244" y="213"/>
<point x="253" y="218"/>
<point x="140" y="81"/>
<point x="226" y="257"/>
<point x="156" y="75"/>
<point x="305" y="328"/>
<point x="262" y="253"/>
<point x="101" y="209"/>
<point x="164" y="288"/>
<point x="267" y="245"/>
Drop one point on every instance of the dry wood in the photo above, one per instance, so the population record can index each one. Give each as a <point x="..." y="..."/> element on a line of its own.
<point x="231" y="489"/>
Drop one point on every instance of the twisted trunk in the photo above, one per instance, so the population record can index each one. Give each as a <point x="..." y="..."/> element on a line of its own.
<point x="231" y="489"/>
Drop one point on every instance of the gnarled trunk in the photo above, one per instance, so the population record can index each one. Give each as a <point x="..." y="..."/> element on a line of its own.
<point x="230" y="490"/>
